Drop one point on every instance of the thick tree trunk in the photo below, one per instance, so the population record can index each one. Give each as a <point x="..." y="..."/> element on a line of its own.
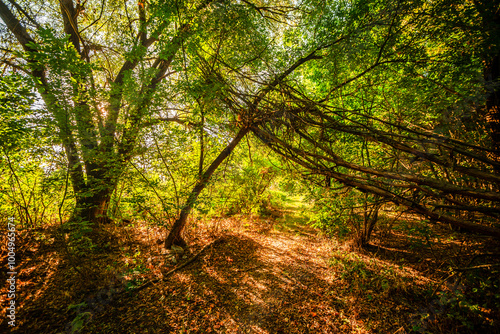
<point x="93" y="209"/>
<point x="175" y="235"/>
<point x="93" y="198"/>
<point x="98" y="207"/>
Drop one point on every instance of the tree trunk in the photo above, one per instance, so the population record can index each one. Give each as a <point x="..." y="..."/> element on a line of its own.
<point x="369" y="223"/>
<point x="93" y="198"/>
<point x="93" y="210"/>
<point x="175" y="235"/>
<point x="98" y="213"/>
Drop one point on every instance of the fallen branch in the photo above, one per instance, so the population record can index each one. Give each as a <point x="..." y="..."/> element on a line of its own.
<point x="441" y="283"/>
<point x="482" y="266"/>
<point x="248" y="269"/>
<point x="482" y="255"/>
<point x="180" y="266"/>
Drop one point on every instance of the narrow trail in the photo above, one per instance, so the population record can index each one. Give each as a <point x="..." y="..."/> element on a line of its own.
<point x="253" y="280"/>
<point x="255" y="276"/>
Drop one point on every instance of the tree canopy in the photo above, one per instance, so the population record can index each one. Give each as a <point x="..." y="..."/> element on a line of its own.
<point x="396" y="99"/>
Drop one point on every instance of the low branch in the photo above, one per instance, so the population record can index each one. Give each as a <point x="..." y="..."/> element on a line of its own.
<point x="317" y="163"/>
<point x="16" y="27"/>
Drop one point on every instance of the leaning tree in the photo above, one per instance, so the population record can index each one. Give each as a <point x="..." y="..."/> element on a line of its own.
<point x="405" y="109"/>
<point x="107" y="71"/>
<point x="391" y="99"/>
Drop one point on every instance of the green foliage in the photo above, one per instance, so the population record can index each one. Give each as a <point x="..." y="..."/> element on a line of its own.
<point x="463" y="301"/>
<point x="29" y="184"/>
<point x="27" y="194"/>
<point x="131" y="275"/>
<point x="79" y="243"/>
<point x="345" y="213"/>
<point x="250" y="184"/>
<point x="16" y="99"/>
<point x="78" y="323"/>
<point x="419" y="230"/>
<point x="328" y="220"/>
<point x="55" y="51"/>
<point x="368" y="277"/>
<point x="138" y="103"/>
<point x="250" y="190"/>
<point x="342" y="80"/>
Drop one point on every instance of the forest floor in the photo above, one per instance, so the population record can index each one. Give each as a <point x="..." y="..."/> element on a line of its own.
<point x="254" y="275"/>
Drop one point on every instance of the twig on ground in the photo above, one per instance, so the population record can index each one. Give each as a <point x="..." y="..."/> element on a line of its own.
<point x="482" y="266"/>
<point x="440" y="284"/>
<point x="248" y="269"/>
<point x="180" y="266"/>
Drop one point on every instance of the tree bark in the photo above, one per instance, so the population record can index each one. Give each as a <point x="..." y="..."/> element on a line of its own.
<point x="175" y="234"/>
<point x="94" y="209"/>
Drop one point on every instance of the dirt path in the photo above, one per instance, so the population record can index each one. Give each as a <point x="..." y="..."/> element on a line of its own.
<point x="250" y="281"/>
<point x="257" y="277"/>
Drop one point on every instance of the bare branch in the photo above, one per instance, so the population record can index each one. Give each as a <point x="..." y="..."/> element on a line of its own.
<point x="16" y="27"/>
<point x="20" y="9"/>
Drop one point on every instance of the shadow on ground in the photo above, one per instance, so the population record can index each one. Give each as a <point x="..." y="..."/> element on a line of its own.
<point x="255" y="278"/>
